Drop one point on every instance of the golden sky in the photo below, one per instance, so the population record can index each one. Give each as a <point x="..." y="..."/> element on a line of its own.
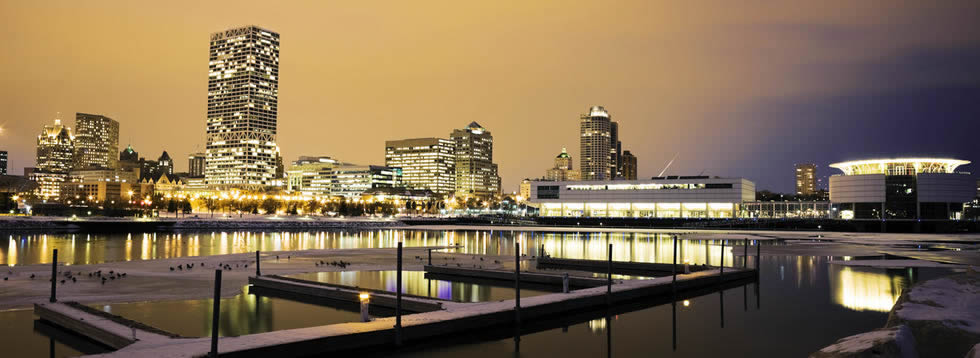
<point x="711" y="81"/>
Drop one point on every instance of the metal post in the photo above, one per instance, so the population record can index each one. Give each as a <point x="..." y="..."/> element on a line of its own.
<point x="365" y="301"/>
<point x="54" y="277"/>
<point x="707" y="253"/>
<point x="258" y="264"/>
<point x="398" y="299"/>
<point x="430" y="257"/>
<point x="517" y="291"/>
<point x="564" y="282"/>
<point x="758" y="256"/>
<point x="216" y="313"/>
<point x="609" y="277"/>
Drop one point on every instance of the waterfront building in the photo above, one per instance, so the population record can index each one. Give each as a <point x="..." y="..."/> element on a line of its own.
<point x="95" y="185"/>
<point x="195" y="165"/>
<point x="96" y="141"/>
<point x="243" y="91"/>
<point x="426" y="163"/>
<point x="55" y="158"/>
<point x="806" y="179"/>
<point x="663" y="197"/>
<point x="325" y="176"/>
<point x="629" y="166"/>
<point x="3" y="162"/>
<point x="903" y="188"/>
<point x="785" y="209"/>
<point x="476" y="173"/>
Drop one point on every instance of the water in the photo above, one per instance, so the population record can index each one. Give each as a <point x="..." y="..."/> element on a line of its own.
<point x="803" y="304"/>
<point x="28" y="249"/>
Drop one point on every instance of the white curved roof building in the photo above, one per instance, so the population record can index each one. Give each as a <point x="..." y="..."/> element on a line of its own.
<point x="901" y="188"/>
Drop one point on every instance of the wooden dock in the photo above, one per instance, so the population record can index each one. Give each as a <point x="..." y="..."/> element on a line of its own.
<point x="380" y="333"/>
<point x="382" y="298"/>
<point x="550" y="279"/>
<point x="618" y="267"/>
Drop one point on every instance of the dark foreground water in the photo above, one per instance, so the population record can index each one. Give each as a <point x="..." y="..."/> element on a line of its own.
<point x="802" y="305"/>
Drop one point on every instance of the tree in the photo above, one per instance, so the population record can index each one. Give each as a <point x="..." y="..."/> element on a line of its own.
<point x="270" y="205"/>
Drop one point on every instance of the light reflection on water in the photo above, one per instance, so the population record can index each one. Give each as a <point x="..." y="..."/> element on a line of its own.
<point x="415" y="283"/>
<point x="866" y="289"/>
<point x="27" y="249"/>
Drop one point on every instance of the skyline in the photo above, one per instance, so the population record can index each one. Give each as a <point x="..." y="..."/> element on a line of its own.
<point x="829" y="86"/>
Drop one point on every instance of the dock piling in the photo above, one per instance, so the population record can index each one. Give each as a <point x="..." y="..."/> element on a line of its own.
<point x="258" y="264"/>
<point x="758" y="255"/>
<point x="365" y="299"/>
<point x="609" y="276"/>
<point x="215" y="314"/>
<point x="430" y="256"/>
<point x="745" y="253"/>
<point x="722" y="267"/>
<point x="564" y="282"/>
<point x="398" y="299"/>
<point x="54" y="277"/>
<point x="673" y="268"/>
<point x="517" y="291"/>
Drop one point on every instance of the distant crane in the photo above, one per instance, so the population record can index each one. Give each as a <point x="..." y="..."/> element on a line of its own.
<point x="668" y="165"/>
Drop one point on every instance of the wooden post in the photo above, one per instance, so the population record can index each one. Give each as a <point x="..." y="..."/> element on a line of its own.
<point x="707" y="253"/>
<point x="517" y="291"/>
<point x="258" y="263"/>
<point x="54" y="277"/>
<point x="609" y="276"/>
<point x="745" y="253"/>
<point x="430" y="257"/>
<point x="722" y="267"/>
<point x="215" y="314"/>
<point x="398" y="299"/>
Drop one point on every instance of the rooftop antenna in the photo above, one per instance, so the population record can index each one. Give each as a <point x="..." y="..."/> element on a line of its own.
<point x="668" y="165"/>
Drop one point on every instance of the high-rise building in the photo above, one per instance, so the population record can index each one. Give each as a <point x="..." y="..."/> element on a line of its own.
<point x="426" y="163"/>
<point x="96" y="141"/>
<point x="195" y="165"/>
<point x="806" y="179"/>
<point x="55" y="157"/>
<point x="615" y="152"/>
<point x="629" y="166"/>
<point x="3" y="162"/>
<point x="525" y="190"/>
<point x="129" y="154"/>
<point x="595" y="144"/>
<point x="476" y="174"/>
<point x="243" y="92"/>
<point x="562" y="170"/>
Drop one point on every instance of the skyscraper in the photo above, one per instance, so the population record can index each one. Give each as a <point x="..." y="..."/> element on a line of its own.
<point x="55" y="157"/>
<point x="615" y="152"/>
<point x="96" y="141"/>
<point x="806" y="179"/>
<point x="629" y="166"/>
<point x="243" y="92"/>
<point x="195" y="165"/>
<point x="595" y="143"/>
<point x="476" y="174"/>
<point x="426" y="163"/>
<point x="562" y="170"/>
<point x="3" y="162"/>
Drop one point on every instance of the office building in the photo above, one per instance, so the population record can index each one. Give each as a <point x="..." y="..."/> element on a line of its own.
<point x="666" y="197"/>
<point x="806" y="179"/>
<point x="615" y="152"/>
<point x="562" y="169"/>
<point x="426" y="163"/>
<point x="903" y="188"/>
<point x="476" y="174"/>
<point x="96" y="141"/>
<point x="3" y="162"/>
<point x="152" y="170"/>
<point x="243" y="91"/>
<point x="195" y="165"/>
<point x="597" y="145"/>
<point x="628" y="168"/>
<point x="325" y="176"/>
<point x="129" y="155"/>
<point x="96" y="185"/>
<point x="55" y="158"/>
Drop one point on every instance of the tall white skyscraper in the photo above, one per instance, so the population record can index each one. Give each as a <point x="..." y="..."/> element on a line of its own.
<point x="243" y="93"/>
<point x="595" y="144"/>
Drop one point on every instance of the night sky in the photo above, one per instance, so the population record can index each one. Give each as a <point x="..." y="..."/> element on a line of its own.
<point x="744" y="88"/>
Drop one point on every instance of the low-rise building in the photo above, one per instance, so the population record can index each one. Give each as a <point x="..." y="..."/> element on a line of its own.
<point x="662" y="197"/>
<point x="901" y="189"/>
<point x="324" y="176"/>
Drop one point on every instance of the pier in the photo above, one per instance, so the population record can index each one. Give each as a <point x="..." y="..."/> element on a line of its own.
<point x="438" y="319"/>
